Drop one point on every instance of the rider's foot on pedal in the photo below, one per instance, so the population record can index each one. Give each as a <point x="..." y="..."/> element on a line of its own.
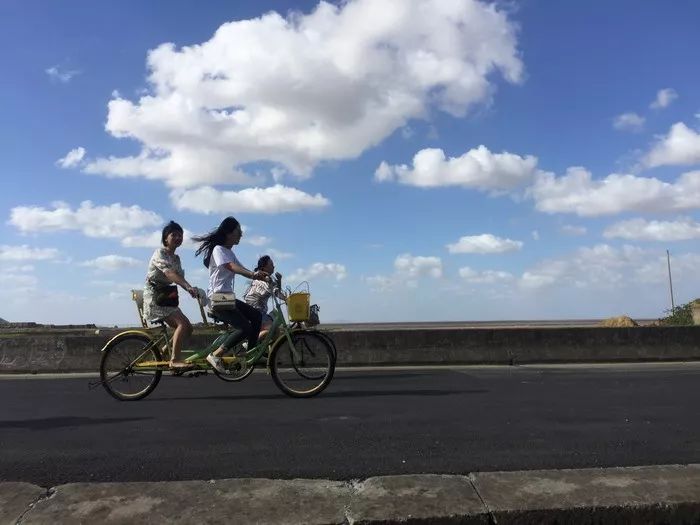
<point x="217" y="363"/>
<point x="179" y="365"/>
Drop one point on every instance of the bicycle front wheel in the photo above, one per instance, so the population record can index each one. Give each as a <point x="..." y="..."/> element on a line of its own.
<point x="305" y="369"/>
<point x="125" y="369"/>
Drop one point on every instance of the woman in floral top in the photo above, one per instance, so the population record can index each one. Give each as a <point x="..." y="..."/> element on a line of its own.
<point x="164" y="269"/>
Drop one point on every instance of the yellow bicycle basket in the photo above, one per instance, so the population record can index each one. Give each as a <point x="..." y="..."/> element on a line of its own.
<point x="299" y="304"/>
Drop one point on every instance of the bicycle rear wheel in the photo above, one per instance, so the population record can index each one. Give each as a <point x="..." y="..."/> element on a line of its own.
<point x="120" y="372"/>
<point x="305" y="370"/>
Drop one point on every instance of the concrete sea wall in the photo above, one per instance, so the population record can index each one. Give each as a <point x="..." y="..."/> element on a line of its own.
<point x="79" y="350"/>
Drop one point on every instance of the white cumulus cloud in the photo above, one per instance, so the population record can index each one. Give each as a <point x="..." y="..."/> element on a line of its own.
<point x="275" y="199"/>
<point x="299" y="90"/>
<point x="484" y="243"/>
<point x="318" y="270"/>
<point x="645" y="230"/>
<point x="60" y="74"/>
<point x="407" y="270"/>
<point x="604" y="267"/>
<point x="664" y="98"/>
<point x="112" y="262"/>
<point x="26" y="253"/>
<point x="629" y="122"/>
<point x="681" y="146"/>
<point x="18" y="282"/>
<point x="485" y="276"/>
<point x="256" y="240"/>
<point x="478" y="168"/>
<point x="598" y="266"/>
<point x="73" y="158"/>
<point x="110" y="221"/>
<point x="577" y="192"/>
<point x="412" y="267"/>
<point x="153" y="240"/>
<point x="571" y="229"/>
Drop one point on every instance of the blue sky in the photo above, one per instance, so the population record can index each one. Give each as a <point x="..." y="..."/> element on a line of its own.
<point x="412" y="160"/>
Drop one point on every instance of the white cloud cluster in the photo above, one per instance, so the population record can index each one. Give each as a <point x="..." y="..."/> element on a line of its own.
<point x="26" y="253"/>
<point x="599" y="266"/>
<point x="664" y="98"/>
<point x="311" y="87"/>
<point x="629" y="122"/>
<point x="477" y="168"/>
<point x="484" y="243"/>
<point x="18" y="282"/>
<point x="412" y="267"/>
<point x="275" y="199"/>
<point x="256" y="240"/>
<point x="577" y="192"/>
<point x="570" y="229"/>
<point x="153" y="240"/>
<point x="60" y="74"/>
<point x="318" y="270"/>
<point x="110" y="221"/>
<point x="472" y="276"/>
<point x="73" y="158"/>
<point x="110" y="263"/>
<point x="644" y="230"/>
<point x="604" y="267"/>
<point x="407" y="269"/>
<point x="680" y="147"/>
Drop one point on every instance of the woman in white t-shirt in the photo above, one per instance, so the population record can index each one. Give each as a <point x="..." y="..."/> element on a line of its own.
<point x="223" y="266"/>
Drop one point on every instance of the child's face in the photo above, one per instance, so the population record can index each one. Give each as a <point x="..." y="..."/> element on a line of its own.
<point x="269" y="267"/>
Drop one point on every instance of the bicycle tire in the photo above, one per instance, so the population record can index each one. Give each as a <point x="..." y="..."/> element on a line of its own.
<point x="316" y="350"/>
<point x="136" y="344"/>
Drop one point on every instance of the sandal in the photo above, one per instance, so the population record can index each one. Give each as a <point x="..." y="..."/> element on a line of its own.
<point x="179" y="365"/>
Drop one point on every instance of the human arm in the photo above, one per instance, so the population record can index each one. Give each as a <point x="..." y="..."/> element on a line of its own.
<point x="279" y="293"/>
<point x="178" y="279"/>
<point x="242" y="270"/>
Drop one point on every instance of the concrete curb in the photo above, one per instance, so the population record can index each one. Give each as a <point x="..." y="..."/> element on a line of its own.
<point x="650" y="494"/>
<point x="79" y="351"/>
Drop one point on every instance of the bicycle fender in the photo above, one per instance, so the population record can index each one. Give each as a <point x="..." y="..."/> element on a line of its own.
<point x="124" y="334"/>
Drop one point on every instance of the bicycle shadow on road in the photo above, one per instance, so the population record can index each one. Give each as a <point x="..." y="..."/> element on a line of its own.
<point x="347" y="394"/>
<point x="60" y="422"/>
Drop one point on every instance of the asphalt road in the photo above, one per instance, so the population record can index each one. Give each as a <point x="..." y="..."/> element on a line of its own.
<point x="367" y="423"/>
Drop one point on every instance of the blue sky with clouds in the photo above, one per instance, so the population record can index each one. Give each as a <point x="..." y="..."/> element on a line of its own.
<point x="413" y="160"/>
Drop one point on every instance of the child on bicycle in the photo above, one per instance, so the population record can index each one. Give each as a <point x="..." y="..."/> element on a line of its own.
<point x="259" y="292"/>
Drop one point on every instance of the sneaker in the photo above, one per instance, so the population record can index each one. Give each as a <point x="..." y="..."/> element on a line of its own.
<point x="216" y="363"/>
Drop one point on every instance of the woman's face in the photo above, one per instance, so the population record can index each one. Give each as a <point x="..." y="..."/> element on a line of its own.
<point x="234" y="237"/>
<point x="173" y="240"/>
<point x="269" y="267"/>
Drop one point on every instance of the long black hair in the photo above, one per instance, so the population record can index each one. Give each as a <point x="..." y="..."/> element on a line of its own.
<point x="262" y="262"/>
<point x="171" y="227"/>
<point x="214" y="238"/>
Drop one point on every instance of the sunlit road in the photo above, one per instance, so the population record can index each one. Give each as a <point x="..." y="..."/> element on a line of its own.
<point x="368" y="422"/>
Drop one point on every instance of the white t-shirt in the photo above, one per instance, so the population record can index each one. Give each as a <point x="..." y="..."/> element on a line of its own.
<point x="220" y="277"/>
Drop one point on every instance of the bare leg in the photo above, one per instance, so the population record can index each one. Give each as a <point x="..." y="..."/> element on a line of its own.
<point x="183" y="330"/>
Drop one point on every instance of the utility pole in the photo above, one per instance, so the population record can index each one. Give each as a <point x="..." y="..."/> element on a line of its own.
<point x="670" y="282"/>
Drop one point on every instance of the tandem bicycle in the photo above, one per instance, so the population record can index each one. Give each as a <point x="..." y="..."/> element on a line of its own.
<point x="300" y="360"/>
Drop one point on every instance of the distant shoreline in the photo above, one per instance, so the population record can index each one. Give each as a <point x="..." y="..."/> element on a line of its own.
<point x="521" y="323"/>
